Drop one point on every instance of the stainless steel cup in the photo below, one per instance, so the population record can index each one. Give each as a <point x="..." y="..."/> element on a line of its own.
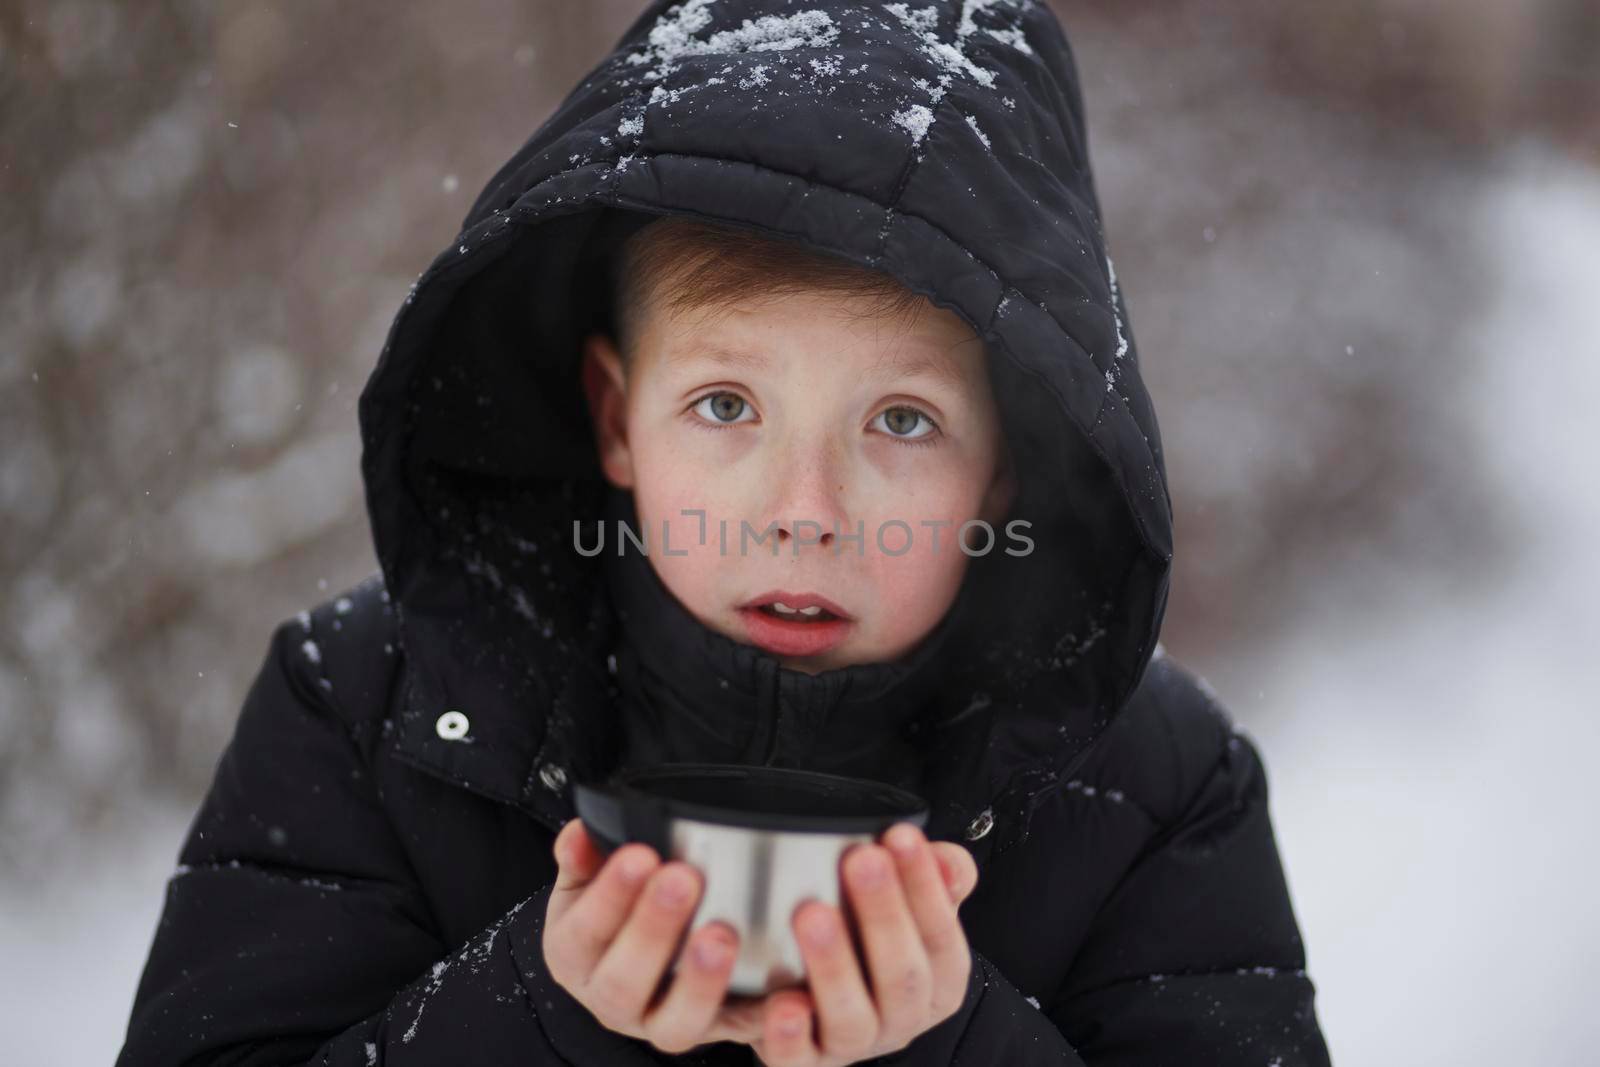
<point x="765" y="839"/>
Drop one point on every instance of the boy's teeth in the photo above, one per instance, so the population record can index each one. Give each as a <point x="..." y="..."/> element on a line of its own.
<point x="778" y="607"/>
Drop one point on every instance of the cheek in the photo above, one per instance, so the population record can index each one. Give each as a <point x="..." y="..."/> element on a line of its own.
<point x="912" y="592"/>
<point x="669" y="491"/>
<point x="677" y="491"/>
<point x="917" y="572"/>
<point x="923" y="502"/>
<point x="677" y="467"/>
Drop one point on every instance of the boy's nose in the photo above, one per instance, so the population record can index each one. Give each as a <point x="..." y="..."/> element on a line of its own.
<point x="807" y="502"/>
<point x="806" y="531"/>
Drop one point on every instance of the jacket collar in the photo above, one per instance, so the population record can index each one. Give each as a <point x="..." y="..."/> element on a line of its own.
<point x="647" y="651"/>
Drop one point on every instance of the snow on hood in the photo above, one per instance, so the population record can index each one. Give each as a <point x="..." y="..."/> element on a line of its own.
<point x="943" y="144"/>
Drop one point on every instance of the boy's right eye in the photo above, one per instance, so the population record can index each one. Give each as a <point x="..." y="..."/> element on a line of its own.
<point x="722" y="409"/>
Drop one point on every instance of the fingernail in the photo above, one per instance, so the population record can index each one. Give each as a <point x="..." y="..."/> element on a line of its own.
<point x="817" y="927"/>
<point x="634" y="866"/>
<point x="902" y="840"/>
<point x="673" y="888"/>
<point x="711" y="952"/>
<point x="870" y="870"/>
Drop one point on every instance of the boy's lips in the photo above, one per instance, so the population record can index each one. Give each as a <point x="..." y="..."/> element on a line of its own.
<point x="786" y="638"/>
<point x="802" y="635"/>
<point x="798" y="601"/>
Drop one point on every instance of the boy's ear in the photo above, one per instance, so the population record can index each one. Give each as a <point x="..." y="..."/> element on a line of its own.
<point x="605" y="386"/>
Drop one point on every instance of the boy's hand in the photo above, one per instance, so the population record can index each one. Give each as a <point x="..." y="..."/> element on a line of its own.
<point x="611" y="928"/>
<point x="904" y="898"/>
<point x="607" y="943"/>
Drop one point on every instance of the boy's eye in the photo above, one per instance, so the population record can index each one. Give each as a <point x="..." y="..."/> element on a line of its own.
<point x="722" y="408"/>
<point x="899" y="422"/>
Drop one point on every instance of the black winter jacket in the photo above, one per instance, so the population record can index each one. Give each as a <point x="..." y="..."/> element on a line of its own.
<point x="365" y="884"/>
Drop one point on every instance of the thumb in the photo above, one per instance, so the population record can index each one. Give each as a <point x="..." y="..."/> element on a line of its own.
<point x="577" y="857"/>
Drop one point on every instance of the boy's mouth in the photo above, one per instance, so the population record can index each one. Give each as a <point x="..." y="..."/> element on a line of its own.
<point x="794" y="624"/>
<point x="780" y="610"/>
<point x="796" y="607"/>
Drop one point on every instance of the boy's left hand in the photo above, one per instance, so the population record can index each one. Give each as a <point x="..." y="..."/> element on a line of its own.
<point x="904" y="899"/>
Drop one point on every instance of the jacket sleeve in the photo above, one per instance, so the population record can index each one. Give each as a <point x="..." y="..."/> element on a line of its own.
<point x="994" y="1024"/>
<point x="293" y="931"/>
<point x="1194" y="958"/>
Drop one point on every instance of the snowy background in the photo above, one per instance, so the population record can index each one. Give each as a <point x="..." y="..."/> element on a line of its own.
<point x="1360" y="245"/>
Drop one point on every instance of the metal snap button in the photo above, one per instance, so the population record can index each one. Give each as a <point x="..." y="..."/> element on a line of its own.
<point x="452" y="726"/>
<point x="553" y="777"/>
<point x="981" y="825"/>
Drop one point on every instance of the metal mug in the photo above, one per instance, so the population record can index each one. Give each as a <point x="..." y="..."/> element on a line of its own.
<point x="764" y="839"/>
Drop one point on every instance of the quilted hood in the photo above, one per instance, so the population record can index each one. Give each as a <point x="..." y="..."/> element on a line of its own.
<point x="943" y="144"/>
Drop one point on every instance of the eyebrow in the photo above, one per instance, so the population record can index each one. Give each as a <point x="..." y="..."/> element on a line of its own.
<point x="923" y="366"/>
<point x="884" y="369"/>
<point x="715" y="353"/>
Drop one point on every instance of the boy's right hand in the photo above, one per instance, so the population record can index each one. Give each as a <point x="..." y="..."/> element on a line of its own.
<point x="613" y="925"/>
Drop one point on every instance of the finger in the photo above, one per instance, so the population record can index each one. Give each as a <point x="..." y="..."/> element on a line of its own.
<point x="901" y="973"/>
<point x="934" y="912"/>
<point x="577" y="857"/>
<point x="625" y="979"/>
<point x="739" y="1018"/>
<point x="683" y="1017"/>
<point x="786" y="1036"/>
<point x="584" y="928"/>
<point x="846" y="1020"/>
<point x="959" y="868"/>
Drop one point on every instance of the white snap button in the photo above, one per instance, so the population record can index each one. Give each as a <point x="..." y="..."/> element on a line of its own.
<point x="452" y="726"/>
<point x="553" y="777"/>
<point x="981" y="825"/>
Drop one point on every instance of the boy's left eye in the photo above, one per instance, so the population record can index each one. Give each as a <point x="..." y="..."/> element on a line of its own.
<point x="899" y="421"/>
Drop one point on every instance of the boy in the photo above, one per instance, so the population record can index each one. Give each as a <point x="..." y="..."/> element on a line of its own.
<point x="834" y="276"/>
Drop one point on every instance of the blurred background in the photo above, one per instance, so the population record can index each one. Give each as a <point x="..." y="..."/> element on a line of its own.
<point x="1360" y="244"/>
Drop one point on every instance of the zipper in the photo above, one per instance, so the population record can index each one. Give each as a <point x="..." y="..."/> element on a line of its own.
<point x="763" y="747"/>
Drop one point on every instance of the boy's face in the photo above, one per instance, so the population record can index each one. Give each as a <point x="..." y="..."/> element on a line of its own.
<point x="806" y="413"/>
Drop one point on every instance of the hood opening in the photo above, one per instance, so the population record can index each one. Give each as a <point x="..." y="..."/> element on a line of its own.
<point x="499" y="462"/>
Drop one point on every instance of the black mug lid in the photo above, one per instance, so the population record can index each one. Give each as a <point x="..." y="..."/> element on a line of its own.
<point x="635" y="805"/>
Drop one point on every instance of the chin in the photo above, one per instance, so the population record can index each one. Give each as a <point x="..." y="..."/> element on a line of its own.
<point x="816" y="664"/>
<point x="842" y="657"/>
